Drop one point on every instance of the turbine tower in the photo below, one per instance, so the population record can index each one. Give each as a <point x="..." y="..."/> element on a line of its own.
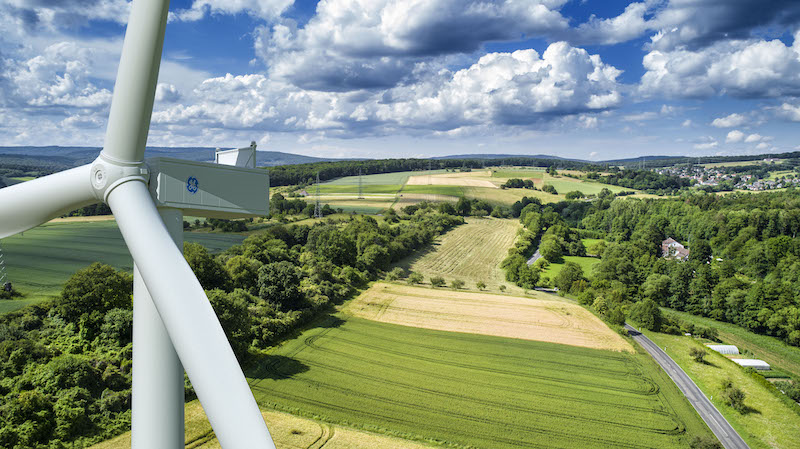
<point x="174" y="326"/>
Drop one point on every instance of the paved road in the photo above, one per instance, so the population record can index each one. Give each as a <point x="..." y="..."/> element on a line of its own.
<point x="716" y="422"/>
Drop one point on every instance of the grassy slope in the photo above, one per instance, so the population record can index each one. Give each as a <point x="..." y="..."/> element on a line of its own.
<point x="770" y="349"/>
<point x="40" y="261"/>
<point x="411" y="382"/>
<point x="586" y="263"/>
<point x="770" y="423"/>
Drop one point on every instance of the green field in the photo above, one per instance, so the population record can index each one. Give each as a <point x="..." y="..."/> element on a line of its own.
<point x="773" y="351"/>
<point x="39" y="261"/>
<point x="586" y="263"/>
<point x="398" y="178"/>
<point x="768" y="422"/>
<point x="471" y="390"/>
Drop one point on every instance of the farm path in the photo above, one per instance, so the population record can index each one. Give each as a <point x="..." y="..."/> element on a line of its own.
<point x="716" y="422"/>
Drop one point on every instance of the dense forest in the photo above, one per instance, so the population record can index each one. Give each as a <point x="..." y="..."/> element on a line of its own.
<point x="646" y="180"/>
<point x="743" y="268"/>
<point x="66" y="364"/>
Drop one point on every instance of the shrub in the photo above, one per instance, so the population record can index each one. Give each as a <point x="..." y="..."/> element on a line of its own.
<point x="480" y="284"/>
<point x="395" y="274"/>
<point x="414" y="278"/>
<point x="456" y="284"/>
<point x="437" y="281"/>
<point x="502" y="287"/>
<point x="733" y="396"/>
<point x="698" y="354"/>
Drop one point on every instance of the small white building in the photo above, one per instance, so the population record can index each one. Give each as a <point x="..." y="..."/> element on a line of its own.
<point x="724" y="349"/>
<point x="753" y="363"/>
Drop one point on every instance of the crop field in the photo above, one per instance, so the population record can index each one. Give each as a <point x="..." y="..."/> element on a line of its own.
<point x="398" y="178"/>
<point x="586" y="263"/>
<point x="39" y="261"/>
<point x="287" y="431"/>
<point x="486" y="314"/>
<point x="564" y="185"/>
<point x="767" y="422"/>
<point x="472" y="179"/>
<point x="473" y="390"/>
<point x="471" y="252"/>
<point x="770" y="349"/>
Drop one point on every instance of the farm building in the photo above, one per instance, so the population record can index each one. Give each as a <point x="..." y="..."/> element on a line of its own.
<point x="724" y="349"/>
<point x="753" y="363"/>
<point x="671" y="249"/>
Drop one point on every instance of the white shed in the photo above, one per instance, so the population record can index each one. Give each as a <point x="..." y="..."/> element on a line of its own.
<point x="753" y="363"/>
<point x="724" y="349"/>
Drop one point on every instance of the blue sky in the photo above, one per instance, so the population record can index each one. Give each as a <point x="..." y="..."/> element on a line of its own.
<point x="589" y="79"/>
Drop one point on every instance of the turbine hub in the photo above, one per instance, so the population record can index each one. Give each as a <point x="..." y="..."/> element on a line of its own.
<point x="108" y="173"/>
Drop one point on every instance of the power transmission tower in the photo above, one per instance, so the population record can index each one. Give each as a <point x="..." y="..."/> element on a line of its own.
<point x="360" y="188"/>
<point x="429" y="172"/>
<point x="318" y="206"/>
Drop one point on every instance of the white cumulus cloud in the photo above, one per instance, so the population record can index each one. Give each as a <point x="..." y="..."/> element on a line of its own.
<point x="729" y="121"/>
<point x="734" y="136"/>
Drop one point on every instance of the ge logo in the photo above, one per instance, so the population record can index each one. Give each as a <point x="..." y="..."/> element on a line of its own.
<point x="192" y="185"/>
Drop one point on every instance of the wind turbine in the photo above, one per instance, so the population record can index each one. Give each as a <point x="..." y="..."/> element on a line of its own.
<point x="175" y="327"/>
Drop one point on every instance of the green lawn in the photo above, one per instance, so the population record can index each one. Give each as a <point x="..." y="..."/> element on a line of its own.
<point x="564" y="185"/>
<point x="586" y="263"/>
<point x="769" y="423"/>
<point x="522" y="173"/>
<point x="770" y="349"/>
<point x="465" y="390"/>
<point x="39" y="261"/>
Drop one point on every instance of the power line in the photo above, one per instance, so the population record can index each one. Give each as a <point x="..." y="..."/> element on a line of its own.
<point x="360" y="188"/>
<point x="318" y="206"/>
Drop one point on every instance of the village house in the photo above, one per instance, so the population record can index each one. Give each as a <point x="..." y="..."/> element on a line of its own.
<point x="671" y="249"/>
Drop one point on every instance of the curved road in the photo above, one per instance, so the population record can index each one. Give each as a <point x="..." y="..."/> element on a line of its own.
<point x="716" y="422"/>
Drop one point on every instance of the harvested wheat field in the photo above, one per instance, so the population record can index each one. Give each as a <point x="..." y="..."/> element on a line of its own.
<point x="471" y="252"/>
<point x="288" y="432"/>
<point x="449" y="180"/>
<point x="486" y="314"/>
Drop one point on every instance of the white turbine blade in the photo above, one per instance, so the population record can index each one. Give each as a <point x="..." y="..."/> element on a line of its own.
<point x="190" y="321"/>
<point x="27" y="205"/>
<point x="134" y="91"/>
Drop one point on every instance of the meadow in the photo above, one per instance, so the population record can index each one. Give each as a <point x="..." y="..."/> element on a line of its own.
<point x="287" y="431"/>
<point x="471" y="252"/>
<point x="586" y="263"/>
<point x="39" y="261"/>
<point x="767" y="422"/>
<point x="467" y="390"/>
<point x="539" y="318"/>
<point x="773" y="351"/>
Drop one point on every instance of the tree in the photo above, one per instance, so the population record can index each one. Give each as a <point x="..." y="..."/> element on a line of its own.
<point x="502" y="287"/>
<point x="574" y="195"/>
<point x="97" y="288"/>
<point x="243" y="272"/>
<point x="550" y="248"/>
<point x="733" y="396"/>
<point x="463" y="206"/>
<point x="705" y="443"/>
<point x="569" y="273"/>
<point x="231" y="310"/>
<point x="414" y="278"/>
<point x="549" y="189"/>
<point x="698" y="354"/>
<point x="647" y="314"/>
<point x="395" y="274"/>
<point x="657" y="288"/>
<point x="209" y="271"/>
<point x="700" y="251"/>
<point x="480" y="284"/>
<point x="616" y="316"/>
<point x="279" y="283"/>
<point x="456" y="284"/>
<point x="437" y="281"/>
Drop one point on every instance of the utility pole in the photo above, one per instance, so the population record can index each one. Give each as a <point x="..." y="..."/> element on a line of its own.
<point x="318" y="206"/>
<point x="360" y="188"/>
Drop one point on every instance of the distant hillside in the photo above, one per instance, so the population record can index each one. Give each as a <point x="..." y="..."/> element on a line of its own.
<point x="504" y="156"/>
<point x="65" y="157"/>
